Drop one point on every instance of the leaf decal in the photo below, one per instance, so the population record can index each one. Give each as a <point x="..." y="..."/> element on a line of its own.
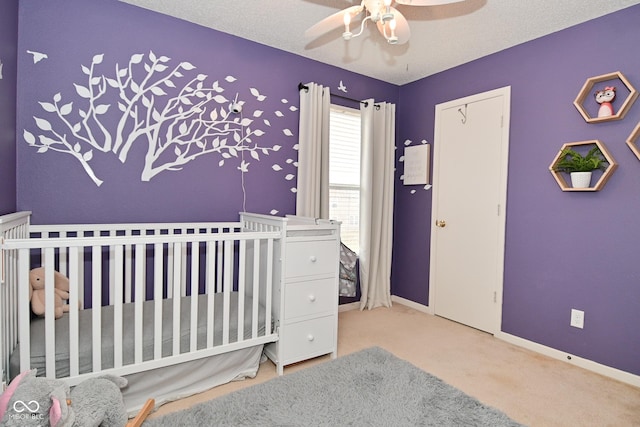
<point x="97" y="59"/>
<point x="287" y="132"/>
<point x="42" y="124"/>
<point x="257" y="94"/>
<point x="220" y="99"/>
<point x="156" y="90"/>
<point x="48" y="107"/>
<point x="279" y="114"/>
<point x="66" y="109"/>
<point x="28" y="136"/>
<point x="230" y="79"/>
<point x="137" y="58"/>
<point x="276" y="167"/>
<point x="289" y="177"/>
<point x="82" y="91"/>
<point x="187" y="66"/>
<point x="103" y="108"/>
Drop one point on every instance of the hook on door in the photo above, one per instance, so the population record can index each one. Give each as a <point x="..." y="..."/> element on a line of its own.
<point x="464" y="114"/>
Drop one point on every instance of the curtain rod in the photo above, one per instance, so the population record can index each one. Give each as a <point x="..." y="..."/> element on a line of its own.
<point x="301" y="86"/>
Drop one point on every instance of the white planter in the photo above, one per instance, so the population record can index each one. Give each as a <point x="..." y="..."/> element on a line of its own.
<point x="581" y="179"/>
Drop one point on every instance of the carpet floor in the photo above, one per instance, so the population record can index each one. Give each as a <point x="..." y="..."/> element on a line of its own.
<point x="532" y="389"/>
<point x="371" y="387"/>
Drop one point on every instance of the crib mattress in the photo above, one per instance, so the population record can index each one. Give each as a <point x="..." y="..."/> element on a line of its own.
<point x="107" y="334"/>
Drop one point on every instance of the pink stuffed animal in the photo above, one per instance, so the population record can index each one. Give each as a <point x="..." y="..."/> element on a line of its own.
<point x="604" y="98"/>
<point x="37" y="295"/>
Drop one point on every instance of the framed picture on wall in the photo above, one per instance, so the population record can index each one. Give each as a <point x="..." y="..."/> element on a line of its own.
<point x="416" y="164"/>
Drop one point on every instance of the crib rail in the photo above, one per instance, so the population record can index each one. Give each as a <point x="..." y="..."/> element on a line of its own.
<point x="12" y="226"/>
<point x="152" y="268"/>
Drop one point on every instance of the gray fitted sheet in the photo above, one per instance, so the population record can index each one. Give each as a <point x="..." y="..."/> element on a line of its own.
<point x="107" y="336"/>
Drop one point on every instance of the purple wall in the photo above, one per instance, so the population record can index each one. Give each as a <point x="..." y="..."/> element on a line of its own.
<point x="8" y="55"/>
<point x="98" y="35"/>
<point x="563" y="250"/>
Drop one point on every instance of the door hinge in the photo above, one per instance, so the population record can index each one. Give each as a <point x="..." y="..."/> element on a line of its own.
<point x="495" y="296"/>
<point x="498" y="210"/>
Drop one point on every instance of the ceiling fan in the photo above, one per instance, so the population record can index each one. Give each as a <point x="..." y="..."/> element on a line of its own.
<point x="390" y="22"/>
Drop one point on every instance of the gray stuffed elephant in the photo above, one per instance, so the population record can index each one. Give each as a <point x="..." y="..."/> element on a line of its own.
<point x="36" y="401"/>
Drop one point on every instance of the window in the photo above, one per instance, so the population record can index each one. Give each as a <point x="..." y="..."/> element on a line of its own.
<point x="344" y="173"/>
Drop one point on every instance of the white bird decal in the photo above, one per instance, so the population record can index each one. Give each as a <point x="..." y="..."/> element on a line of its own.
<point x="342" y="87"/>
<point x="37" y="56"/>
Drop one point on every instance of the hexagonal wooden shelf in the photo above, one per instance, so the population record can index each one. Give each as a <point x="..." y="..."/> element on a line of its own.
<point x="587" y="90"/>
<point x="633" y="140"/>
<point x="560" y="176"/>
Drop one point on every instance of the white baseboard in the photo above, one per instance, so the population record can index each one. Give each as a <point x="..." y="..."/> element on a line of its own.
<point x="607" y="371"/>
<point x="348" y="307"/>
<point x="412" y="304"/>
<point x="587" y="364"/>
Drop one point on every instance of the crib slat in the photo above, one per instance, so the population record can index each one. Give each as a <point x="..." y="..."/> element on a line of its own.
<point x="219" y="258"/>
<point x="157" y="297"/>
<point x="24" y="312"/>
<point x="74" y="334"/>
<point x="112" y="271"/>
<point x="176" y="297"/>
<point x="241" y="289"/>
<point x="269" y="286"/>
<point x="96" y="304"/>
<point x="127" y="270"/>
<point x="139" y="286"/>
<point x="49" y="314"/>
<point x="256" y="287"/>
<point x="226" y="291"/>
<point x="210" y="289"/>
<point x="118" y="295"/>
<point x="195" y="281"/>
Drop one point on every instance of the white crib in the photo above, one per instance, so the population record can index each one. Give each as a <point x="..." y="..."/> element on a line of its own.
<point x="174" y="308"/>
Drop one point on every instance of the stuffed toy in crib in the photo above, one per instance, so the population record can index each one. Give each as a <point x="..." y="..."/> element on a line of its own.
<point x="38" y="401"/>
<point x="37" y="295"/>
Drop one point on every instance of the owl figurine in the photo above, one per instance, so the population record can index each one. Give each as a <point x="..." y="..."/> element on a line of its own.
<point x="604" y="97"/>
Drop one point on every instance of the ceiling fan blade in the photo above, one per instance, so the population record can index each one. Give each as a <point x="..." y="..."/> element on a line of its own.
<point x="426" y="2"/>
<point x="402" y="31"/>
<point x="331" y="22"/>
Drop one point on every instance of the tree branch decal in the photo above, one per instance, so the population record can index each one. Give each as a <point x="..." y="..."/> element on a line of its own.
<point x="174" y="115"/>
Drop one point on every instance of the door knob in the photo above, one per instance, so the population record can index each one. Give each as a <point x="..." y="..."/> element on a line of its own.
<point x="440" y="223"/>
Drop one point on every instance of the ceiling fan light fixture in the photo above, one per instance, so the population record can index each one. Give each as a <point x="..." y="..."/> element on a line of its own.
<point x="387" y="16"/>
<point x="347" y="32"/>
<point x="392" y="39"/>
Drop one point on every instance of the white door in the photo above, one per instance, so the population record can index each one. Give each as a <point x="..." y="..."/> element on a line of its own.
<point x="468" y="213"/>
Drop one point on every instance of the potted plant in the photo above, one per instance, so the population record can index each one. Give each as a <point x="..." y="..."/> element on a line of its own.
<point x="581" y="167"/>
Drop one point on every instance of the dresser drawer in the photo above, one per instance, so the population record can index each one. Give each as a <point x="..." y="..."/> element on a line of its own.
<point x="310" y="298"/>
<point x="311" y="258"/>
<point x="309" y="338"/>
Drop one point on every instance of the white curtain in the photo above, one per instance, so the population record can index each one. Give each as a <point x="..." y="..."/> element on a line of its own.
<point x="312" y="197"/>
<point x="376" y="203"/>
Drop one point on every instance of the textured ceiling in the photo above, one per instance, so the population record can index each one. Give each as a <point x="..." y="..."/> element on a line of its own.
<point x="442" y="37"/>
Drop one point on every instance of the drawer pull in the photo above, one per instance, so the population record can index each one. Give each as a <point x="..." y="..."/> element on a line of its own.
<point x="310" y="337"/>
<point x="312" y="298"/>
<point x="313" y="258"/>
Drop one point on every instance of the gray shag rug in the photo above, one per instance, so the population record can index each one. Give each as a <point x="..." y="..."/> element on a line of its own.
<point x="369" y="388"/>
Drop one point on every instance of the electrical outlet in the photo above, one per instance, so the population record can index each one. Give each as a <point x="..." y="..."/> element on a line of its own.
<point x="577" y="318"/>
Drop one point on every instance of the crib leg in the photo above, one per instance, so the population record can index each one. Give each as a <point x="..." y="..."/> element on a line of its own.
<point x="142" y="415"/>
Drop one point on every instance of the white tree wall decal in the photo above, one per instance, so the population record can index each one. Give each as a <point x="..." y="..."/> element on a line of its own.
<point x="175" y="122"/>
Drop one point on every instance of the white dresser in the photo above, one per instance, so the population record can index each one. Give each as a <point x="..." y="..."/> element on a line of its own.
<point x="306" y="308"/>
